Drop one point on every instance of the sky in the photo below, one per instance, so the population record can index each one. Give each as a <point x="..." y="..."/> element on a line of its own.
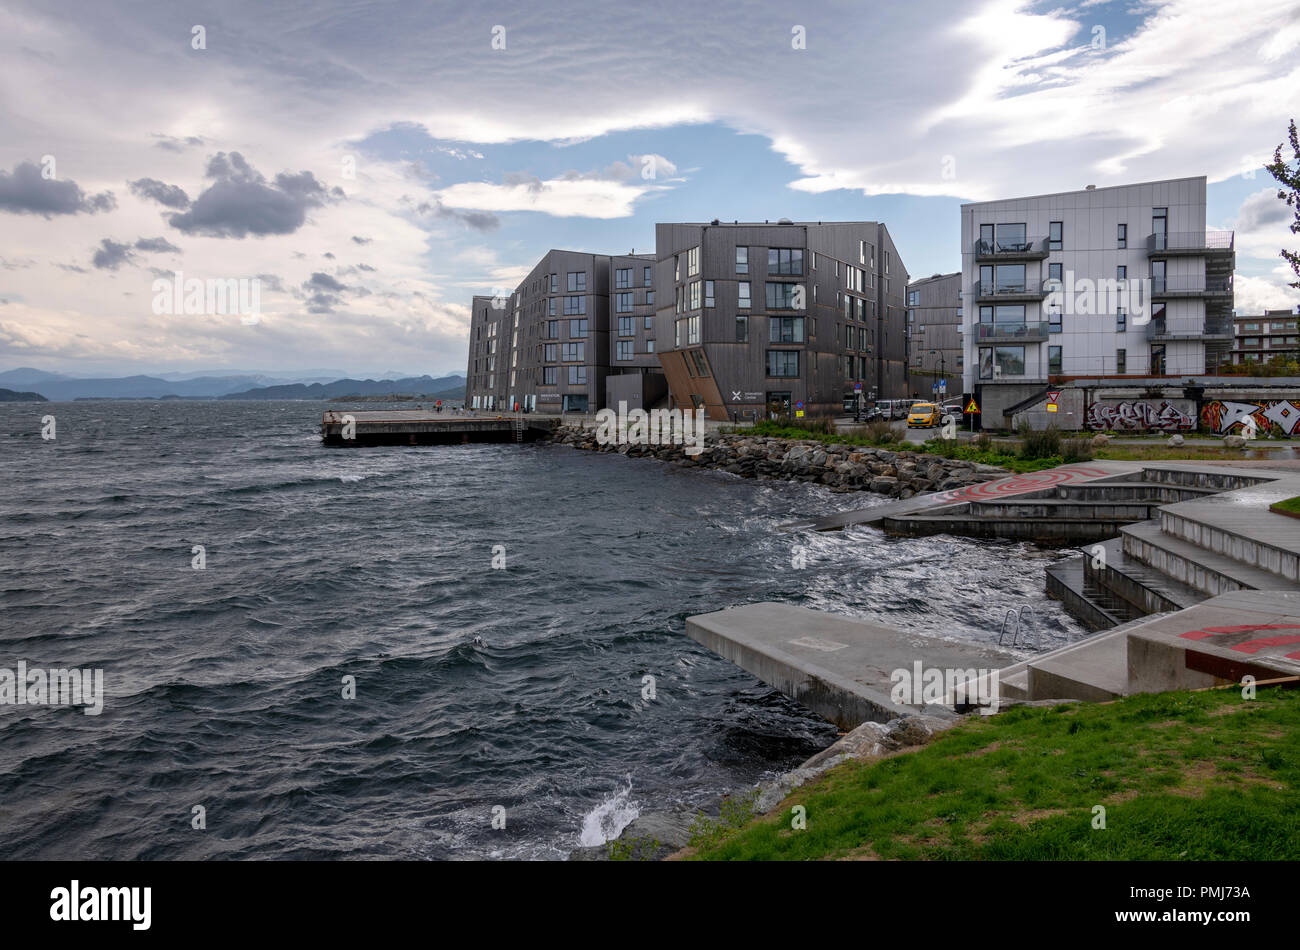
<point x="375" y="164"/>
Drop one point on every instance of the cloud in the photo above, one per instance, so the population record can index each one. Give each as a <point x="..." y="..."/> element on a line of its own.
<point x="561" y="197"/>
<point x="475" y="220"/>
<point x="159" y="244"/>
<point x="169" y="196"/>
<point x="111" y="255"/>
<point x="1262" y="209"/>
<point x="321" y="281"/>
<point x="172" y="144"/>
<point x="1256" y="294"/>
<point x="360" y="240"/>
<point x="25" y="191"/>
<point x="240" y="202"/>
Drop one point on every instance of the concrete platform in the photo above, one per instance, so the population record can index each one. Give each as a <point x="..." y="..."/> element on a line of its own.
<point x="426" y="427"/>
<point x="838" y="667"/>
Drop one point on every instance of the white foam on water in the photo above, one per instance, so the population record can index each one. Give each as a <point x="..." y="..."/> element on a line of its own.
<point x="607" y="820"/>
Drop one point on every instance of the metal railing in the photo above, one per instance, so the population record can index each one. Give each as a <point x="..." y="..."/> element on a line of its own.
<point x="1191" y="241"/>
<point x="998" y="248"/>
<point x="1021" y="288"/>
<point x="1028" y="332"/>
<point x="1191" y="285"/>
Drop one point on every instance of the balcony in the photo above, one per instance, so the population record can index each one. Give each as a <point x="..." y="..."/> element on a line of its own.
<point x="1190" y="243"/>
<point x="1011" y="332"/>
<point x="1031" y="291"/>
<point x="1164" y="288"/>
<point x="988" y="252"/>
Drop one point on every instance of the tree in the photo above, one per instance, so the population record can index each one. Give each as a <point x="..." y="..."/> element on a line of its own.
<point x="1289" y="178"/>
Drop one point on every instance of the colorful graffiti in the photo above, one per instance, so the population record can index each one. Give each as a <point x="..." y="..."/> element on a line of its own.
<point x="1223" y="416"/>
<point x="1139" y="415"/>
<point x="1253" y="644"/>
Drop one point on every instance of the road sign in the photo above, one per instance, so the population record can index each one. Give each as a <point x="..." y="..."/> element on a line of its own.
<point x="857" y="387"/>
<point x="1051" y="401"/>
<point x="972" y="407"/>
<point x="943" y="385"/>
<point x="799" y="405"/>
<point x="798" y="413"/>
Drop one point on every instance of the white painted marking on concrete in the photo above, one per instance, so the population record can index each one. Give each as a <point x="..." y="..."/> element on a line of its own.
<point x="816" y="643"/>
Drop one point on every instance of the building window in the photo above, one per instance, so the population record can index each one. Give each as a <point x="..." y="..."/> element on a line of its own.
<point x="1054" y="321"/>
<point x="574" y="305"/>
<point x="577" y="329"/>
<point x="1121" y="272"/>
<point x="573" y="352"/>
<point x="1121" y="320"/>
<point x="1054" y="230"/>
<point x="622" y="303"/>
<point x="677" y="333"/>
<point x="623" y="350"/>
<point x="645" y="277"/>
<point x="625" y="326"/>
<point x="550" y="375"/>
<point x="781" y="260"/>
<point x="695" y="295"/>
<point x="1054" y="273"/>
<point x="577" y="281"/>
<point x="649" y="346"/>
<point x="708" y="293"/>
<point x="692" y="262"/>
<point x="783" y="363"/>
<point x="550" y="306"/>
<point x="785" y="329"/>
<point x="649" y="298"/>
<point x="1122" y="237"/>
<point x="781" y="296"/>
<point x="1121" y="361"/>
<point x="551" y="349"/>
<point x="577" y="375"/>
<point x="623" y="277"/>
<point x="742" y="260"/>
<point x="701" y="364"/>
<point x="742" y="298"/>
<point x="552" y="329"/>
<point x="1054" y="360"/>
<point x="742" y="329"/>
<point x="693" y="329"/>
<point x="913" y="298"/>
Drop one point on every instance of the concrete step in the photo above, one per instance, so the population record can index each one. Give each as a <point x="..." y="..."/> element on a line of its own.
<point x="1052" y="531"/>
<point x="1196" y="478"/>
<point x="1145" y="589"/>
<point x="1092" y="605"/>
<point x="1256" y="537"/>
<point x="1058" y="508"/>
<point x="1122" y="491"/>
<point x="1096" y="672"/>
<point x="1191" y="564"/>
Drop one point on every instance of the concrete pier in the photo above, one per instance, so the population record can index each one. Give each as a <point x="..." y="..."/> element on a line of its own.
<point x="426" y="427"/>
<point x="838" y="667"/>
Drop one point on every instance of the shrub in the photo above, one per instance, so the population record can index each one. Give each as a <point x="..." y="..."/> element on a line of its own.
<point x="1076" y="450"/>
<point x="881" y="432"/>
<point x="983" y="441"/>
<point x="1039" y="444"/>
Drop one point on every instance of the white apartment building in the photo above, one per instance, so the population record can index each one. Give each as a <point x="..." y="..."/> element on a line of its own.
<point x="1121" y="281"/>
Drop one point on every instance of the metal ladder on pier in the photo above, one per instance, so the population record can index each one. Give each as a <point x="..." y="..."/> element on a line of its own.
<point x="1018" y="627"/>
<point x="518" y="426"/>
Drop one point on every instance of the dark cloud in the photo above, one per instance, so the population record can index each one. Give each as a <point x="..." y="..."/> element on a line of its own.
<point x="477" y="220"/>
<point x="321" y="281"/>
<point x="329" y="255"/>
<point x="111" y="255"/>
<point x="24" y="191"/>
<point x="160" y="244"/>
<point x="240" y="202"/>
<point x="172" y="144"/>
<point x="271" y="281"/>
<point x="360" y="240"/>
<point x="364" y="267"/>
<point x="169" y="196"/>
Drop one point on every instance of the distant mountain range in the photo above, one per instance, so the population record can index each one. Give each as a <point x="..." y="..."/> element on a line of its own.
<point x="237" y="385"/>
<point x="8" y="395"/>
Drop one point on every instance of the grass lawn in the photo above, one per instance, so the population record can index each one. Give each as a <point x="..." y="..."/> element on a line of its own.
<point x="1163" y="453"/>
<point x="1291" y="504"/>
<point x="1182" y="776"/>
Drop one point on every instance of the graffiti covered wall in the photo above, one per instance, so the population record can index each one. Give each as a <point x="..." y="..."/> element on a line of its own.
<point x="1168" y="415"/>
<point x="1221" y="416"/>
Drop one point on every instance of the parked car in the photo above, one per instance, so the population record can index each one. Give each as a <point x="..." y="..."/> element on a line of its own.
<point x="923" y="415"/>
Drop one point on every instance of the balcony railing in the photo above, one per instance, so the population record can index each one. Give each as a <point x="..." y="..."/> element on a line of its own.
<point x="1191" y="242"/>
<point x="1193" y="286"/>
<point x="1008" y="250"/>
<point x="1014" y="290"/>
<point x="1019" y="332"/>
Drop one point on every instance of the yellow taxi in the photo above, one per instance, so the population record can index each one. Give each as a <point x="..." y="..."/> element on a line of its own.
<point x="923" y="415"/>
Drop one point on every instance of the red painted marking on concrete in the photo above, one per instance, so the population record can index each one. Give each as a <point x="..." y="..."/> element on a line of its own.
<point x="1251" y="646"/>
<point x="1018" y="484"/>
<point x="1254" y="646"/>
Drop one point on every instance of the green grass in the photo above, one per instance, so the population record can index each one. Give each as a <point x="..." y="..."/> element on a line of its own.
<point x="1290" y="504"/>
<point x="1182" y="776"/>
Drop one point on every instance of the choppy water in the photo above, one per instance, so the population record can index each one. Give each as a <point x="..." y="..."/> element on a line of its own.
<point x="475" y="687"/>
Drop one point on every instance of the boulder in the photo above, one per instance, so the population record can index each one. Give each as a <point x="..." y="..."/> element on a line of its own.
<point x="1100" y="440"/>
<point x="1176" y="441"/>
<point x="1234" y="442"/>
